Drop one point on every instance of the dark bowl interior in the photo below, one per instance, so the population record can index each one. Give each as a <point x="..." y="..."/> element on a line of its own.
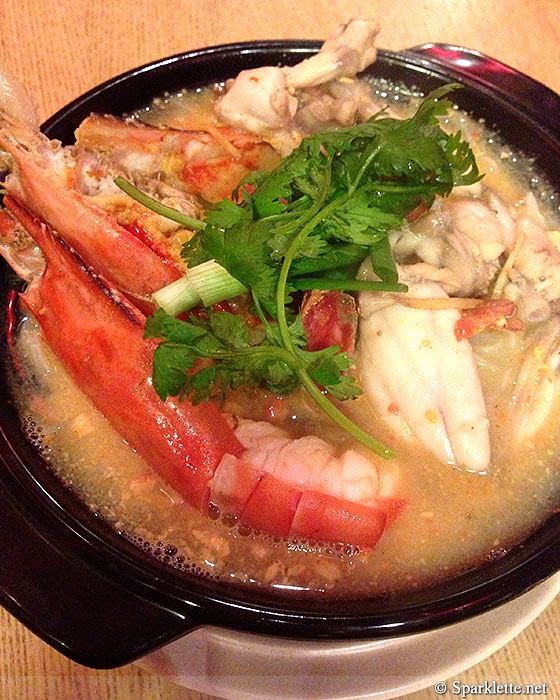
<point x="66" y="574"/>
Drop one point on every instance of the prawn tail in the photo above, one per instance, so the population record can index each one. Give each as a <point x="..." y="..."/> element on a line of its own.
<point x="266" y="503"/>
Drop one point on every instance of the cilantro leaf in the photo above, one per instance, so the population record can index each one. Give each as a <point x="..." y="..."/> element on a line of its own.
<point x="226" y="339"/>
<point x="278" y="185"/>
<point x="230" y="329"/>
<point x="462" y="160"/>
<point x="171" y="365"/>
<point x="360" y="221"/>
<point x="226" y="214"/>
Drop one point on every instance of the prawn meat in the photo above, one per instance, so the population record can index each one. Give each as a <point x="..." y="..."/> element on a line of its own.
<point x="209" y="163"/>
<point x="314" y="492"/>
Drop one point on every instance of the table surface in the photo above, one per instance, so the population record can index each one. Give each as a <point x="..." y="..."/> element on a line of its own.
<point x="61" y="48"/>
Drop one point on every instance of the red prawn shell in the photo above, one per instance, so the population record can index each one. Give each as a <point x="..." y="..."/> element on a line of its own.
<point x="264" y="502"/>
<point x="191" y="447"/>
<point x="491" y="313"/>
<point x="99" y="339"/>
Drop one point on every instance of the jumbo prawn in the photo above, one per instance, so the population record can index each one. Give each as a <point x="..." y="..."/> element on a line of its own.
<point x="193" y="448"/>
<point x="41" y="181"/>
<point x="300" y="486"/>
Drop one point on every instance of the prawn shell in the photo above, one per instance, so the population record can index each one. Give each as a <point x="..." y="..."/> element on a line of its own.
<point x="326" y="518"/>
<point x="233" y="483"/>
<point x="110" y="249"/>
<point x="272" y="507"/>
<point x="268" y="504"/>
<point x="87" y="325"/>
<point x="99" y="339"/>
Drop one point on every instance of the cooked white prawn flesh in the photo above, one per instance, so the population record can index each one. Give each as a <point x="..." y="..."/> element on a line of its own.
<point x="312" y="463"/>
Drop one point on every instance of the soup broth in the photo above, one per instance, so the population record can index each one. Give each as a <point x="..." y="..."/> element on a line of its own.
<point x="451" y="519"/>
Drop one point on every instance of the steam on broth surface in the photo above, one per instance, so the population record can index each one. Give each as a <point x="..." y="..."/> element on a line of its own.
<point x="446" y="518"/>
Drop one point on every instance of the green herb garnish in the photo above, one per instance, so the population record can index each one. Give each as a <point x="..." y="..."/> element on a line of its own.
<point x="308" y="224"/>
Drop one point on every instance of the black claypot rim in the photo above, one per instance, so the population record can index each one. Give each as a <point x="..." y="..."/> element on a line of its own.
<point x="37" y="498"/>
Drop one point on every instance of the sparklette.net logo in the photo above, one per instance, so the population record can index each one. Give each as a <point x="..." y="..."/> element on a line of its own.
<point x="464" y="690"/>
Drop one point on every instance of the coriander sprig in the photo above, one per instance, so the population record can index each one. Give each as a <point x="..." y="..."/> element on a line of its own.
<point x="308" y="224"/>
<point x="320" y="399"/>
